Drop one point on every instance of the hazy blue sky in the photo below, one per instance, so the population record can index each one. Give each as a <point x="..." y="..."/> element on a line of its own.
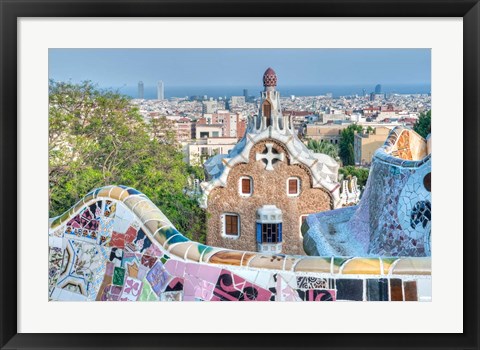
<point x="237" y="67"/>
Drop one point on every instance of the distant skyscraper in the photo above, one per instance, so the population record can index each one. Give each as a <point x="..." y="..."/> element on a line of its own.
<point x="378" y="89"/>
<point x="245" y="93"/>
<point x="140" y="90"/>
<point x="160" y="91"/>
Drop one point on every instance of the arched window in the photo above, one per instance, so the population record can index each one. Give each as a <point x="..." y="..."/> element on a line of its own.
<point x="267" y="112"/>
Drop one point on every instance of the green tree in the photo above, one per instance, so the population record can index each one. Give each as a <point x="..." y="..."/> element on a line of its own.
<point x="197" y="172"/>
<point x="346" y="144"/>
<point x="323" y="147"/>
<point x="423" y="126"/>
<point x="360" y="173"/>
<point x="97" y="138"/>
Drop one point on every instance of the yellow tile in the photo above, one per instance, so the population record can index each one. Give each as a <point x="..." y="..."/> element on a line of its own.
<point x="274" y="262"/>
<point x="104" y="191"/>
<point x="413" y="266"/>
<point x="155" y="224"/>
<point x="132" y="200"/>
<point x="362" y="266"/>
<point x="227" y="257"/>
<point x="247" y="256"/>
<point x="387" y="264"/>
<point x="194" y="252"/>
<point x="313" y="265"/>
<point x="180" y="249"/>
<point x="206" y="256"/>
<point x="142" y="208"/>
<point x="151" y="215"/>
<point x="118" y="193"/>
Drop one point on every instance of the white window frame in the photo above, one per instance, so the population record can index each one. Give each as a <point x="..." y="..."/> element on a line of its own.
<point x="223" y="223"/>
<point x="299" y="183"/>
<point x="240" y="186"/>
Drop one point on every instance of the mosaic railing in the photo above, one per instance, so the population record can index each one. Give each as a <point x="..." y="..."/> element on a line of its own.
<point x="391" y="151"/>
<point x="393" y="217"/>
<point x="115" y="244"/>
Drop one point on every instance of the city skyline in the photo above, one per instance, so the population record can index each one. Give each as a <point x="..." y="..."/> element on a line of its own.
<point x="115" y="68"/>
<point x="160" y="90"/>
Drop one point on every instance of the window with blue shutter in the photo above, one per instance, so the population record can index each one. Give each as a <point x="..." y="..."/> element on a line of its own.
<point x="269" y="233"/>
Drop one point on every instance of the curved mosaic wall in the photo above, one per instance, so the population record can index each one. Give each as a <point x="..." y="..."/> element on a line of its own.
<point x="116" y="245"/>
<point x="393" y="217"/>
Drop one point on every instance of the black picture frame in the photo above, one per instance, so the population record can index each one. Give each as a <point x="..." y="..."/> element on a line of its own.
<point x="11" y="10"/>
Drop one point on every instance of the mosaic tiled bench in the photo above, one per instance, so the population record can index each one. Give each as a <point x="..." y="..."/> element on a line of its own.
<point x="116" y="245"/>
<point x="393" y="217"/>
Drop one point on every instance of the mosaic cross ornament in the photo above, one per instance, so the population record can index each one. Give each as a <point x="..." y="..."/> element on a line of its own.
<point x="269" y="157"/>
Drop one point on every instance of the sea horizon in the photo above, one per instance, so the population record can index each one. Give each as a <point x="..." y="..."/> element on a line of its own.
<point x="150" y="92"/>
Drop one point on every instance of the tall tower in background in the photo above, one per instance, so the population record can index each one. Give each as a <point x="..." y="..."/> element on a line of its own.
<point x="378" y="89"/>
<point x="160" y="91"/>
<point x="245" y="93"/>
<point x="140" y="90"/>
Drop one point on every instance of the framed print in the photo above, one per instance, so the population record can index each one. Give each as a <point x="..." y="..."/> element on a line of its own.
<point x="184" y="153"/>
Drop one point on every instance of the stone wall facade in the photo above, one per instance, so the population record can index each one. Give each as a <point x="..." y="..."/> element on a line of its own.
<point x="269" y="188"/>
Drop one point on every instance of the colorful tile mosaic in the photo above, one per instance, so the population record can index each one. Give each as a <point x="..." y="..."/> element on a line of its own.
<point x="142" y="257"/>
<point x="393" y="217"/>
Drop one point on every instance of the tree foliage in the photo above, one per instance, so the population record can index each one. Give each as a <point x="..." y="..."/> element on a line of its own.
<point x="423" y="126"/>
<point x="347" y="154"/>
<point x="323" y="147"/>
<point x="360" y="173"/>
<point x="97" y="138"/>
